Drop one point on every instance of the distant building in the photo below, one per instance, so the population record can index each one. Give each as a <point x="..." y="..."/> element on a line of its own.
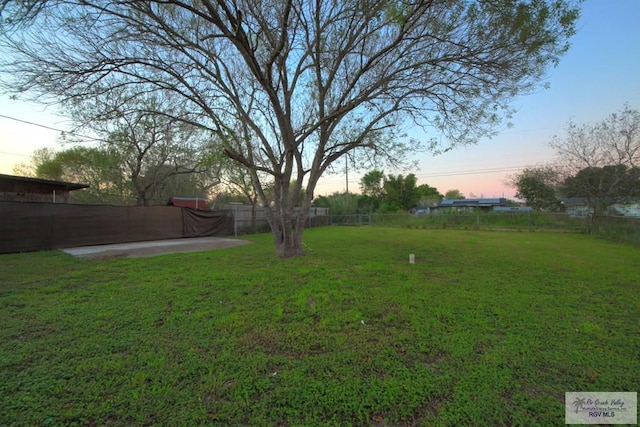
<point x="25" y="189"/>
<point x="512" y="209"/>
<point x="421" y="210"/>
<point x="626" y="209"/>
<point x="580" y="207"/>
<point x="471" y="204"/>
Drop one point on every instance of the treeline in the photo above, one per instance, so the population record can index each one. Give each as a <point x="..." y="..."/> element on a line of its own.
<point x="383" y="194"/>
<point x="113" y="180"/>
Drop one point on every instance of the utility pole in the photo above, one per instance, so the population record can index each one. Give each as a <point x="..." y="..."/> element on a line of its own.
<point x="346" y="171"/>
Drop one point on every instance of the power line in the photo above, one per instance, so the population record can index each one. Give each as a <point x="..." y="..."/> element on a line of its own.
<point x="49" y="128"/>
<point x="428" y="175"/>
<point x="15" y="154"/>
<point x="472" y="172"/>
<point x="33" y="124"/>
<point x="454" y="173"/>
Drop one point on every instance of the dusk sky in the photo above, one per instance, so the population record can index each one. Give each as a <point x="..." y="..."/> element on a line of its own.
<point x="600" y="73"/>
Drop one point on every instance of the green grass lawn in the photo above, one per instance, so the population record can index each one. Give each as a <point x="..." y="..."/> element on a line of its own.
<point x="486" y="328"/>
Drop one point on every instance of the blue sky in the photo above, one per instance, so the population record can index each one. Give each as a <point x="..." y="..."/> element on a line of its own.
<point x="599" y="74"/>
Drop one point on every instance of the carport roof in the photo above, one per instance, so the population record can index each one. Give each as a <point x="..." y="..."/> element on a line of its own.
<point x="9" y="180"/>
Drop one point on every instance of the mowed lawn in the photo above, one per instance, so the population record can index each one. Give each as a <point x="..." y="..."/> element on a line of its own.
<point x="486" y="328"/>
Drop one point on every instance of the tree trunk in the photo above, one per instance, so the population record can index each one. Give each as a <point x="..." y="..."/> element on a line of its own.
<point x="254" y="213"/>
<point x="289" y="243"/>
<point x="287" y="230"/>
<point x="141" y="199"/>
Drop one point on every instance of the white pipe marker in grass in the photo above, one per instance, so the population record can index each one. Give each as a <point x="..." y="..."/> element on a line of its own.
<point x="412" y="258"/>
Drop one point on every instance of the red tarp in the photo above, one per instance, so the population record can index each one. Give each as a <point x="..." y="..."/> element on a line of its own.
<point x="189" y="202"/>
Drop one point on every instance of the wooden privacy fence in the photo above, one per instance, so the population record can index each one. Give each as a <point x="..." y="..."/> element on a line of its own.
<point x="36" y="226"/>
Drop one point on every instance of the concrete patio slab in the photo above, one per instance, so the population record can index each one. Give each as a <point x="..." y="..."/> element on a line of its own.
<point x="154" y="248"/>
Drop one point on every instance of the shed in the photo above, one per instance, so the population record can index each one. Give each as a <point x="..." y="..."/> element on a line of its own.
<point x="26" y="189"/>
<point x="576" y="206"/>
<point x="189" y="202"/>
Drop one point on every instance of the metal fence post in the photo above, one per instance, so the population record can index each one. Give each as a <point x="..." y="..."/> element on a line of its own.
<point x="235" y="221"/>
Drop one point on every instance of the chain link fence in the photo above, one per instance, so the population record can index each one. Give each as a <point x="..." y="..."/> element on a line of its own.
<point x="249" y="219"/>
<point x="617" y="228"/>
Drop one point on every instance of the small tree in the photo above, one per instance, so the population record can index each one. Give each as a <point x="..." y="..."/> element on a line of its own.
<point x="429" y="196"/>
<point x="158" y="150"/>
<point x="338" y="203"/>
<point x="98" y="168"/>
<point x="37" y="157"/>
<point x="372" y="184"/>
<point x="453" y="195"/>
<point x="537" y="187"/>
<point x="401" y="193"/>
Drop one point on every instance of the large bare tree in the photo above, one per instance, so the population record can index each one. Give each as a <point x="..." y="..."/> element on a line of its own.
<point x="601" y="161"/>
<point x="613" y="141"/>
<point x="291" y="86"/>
